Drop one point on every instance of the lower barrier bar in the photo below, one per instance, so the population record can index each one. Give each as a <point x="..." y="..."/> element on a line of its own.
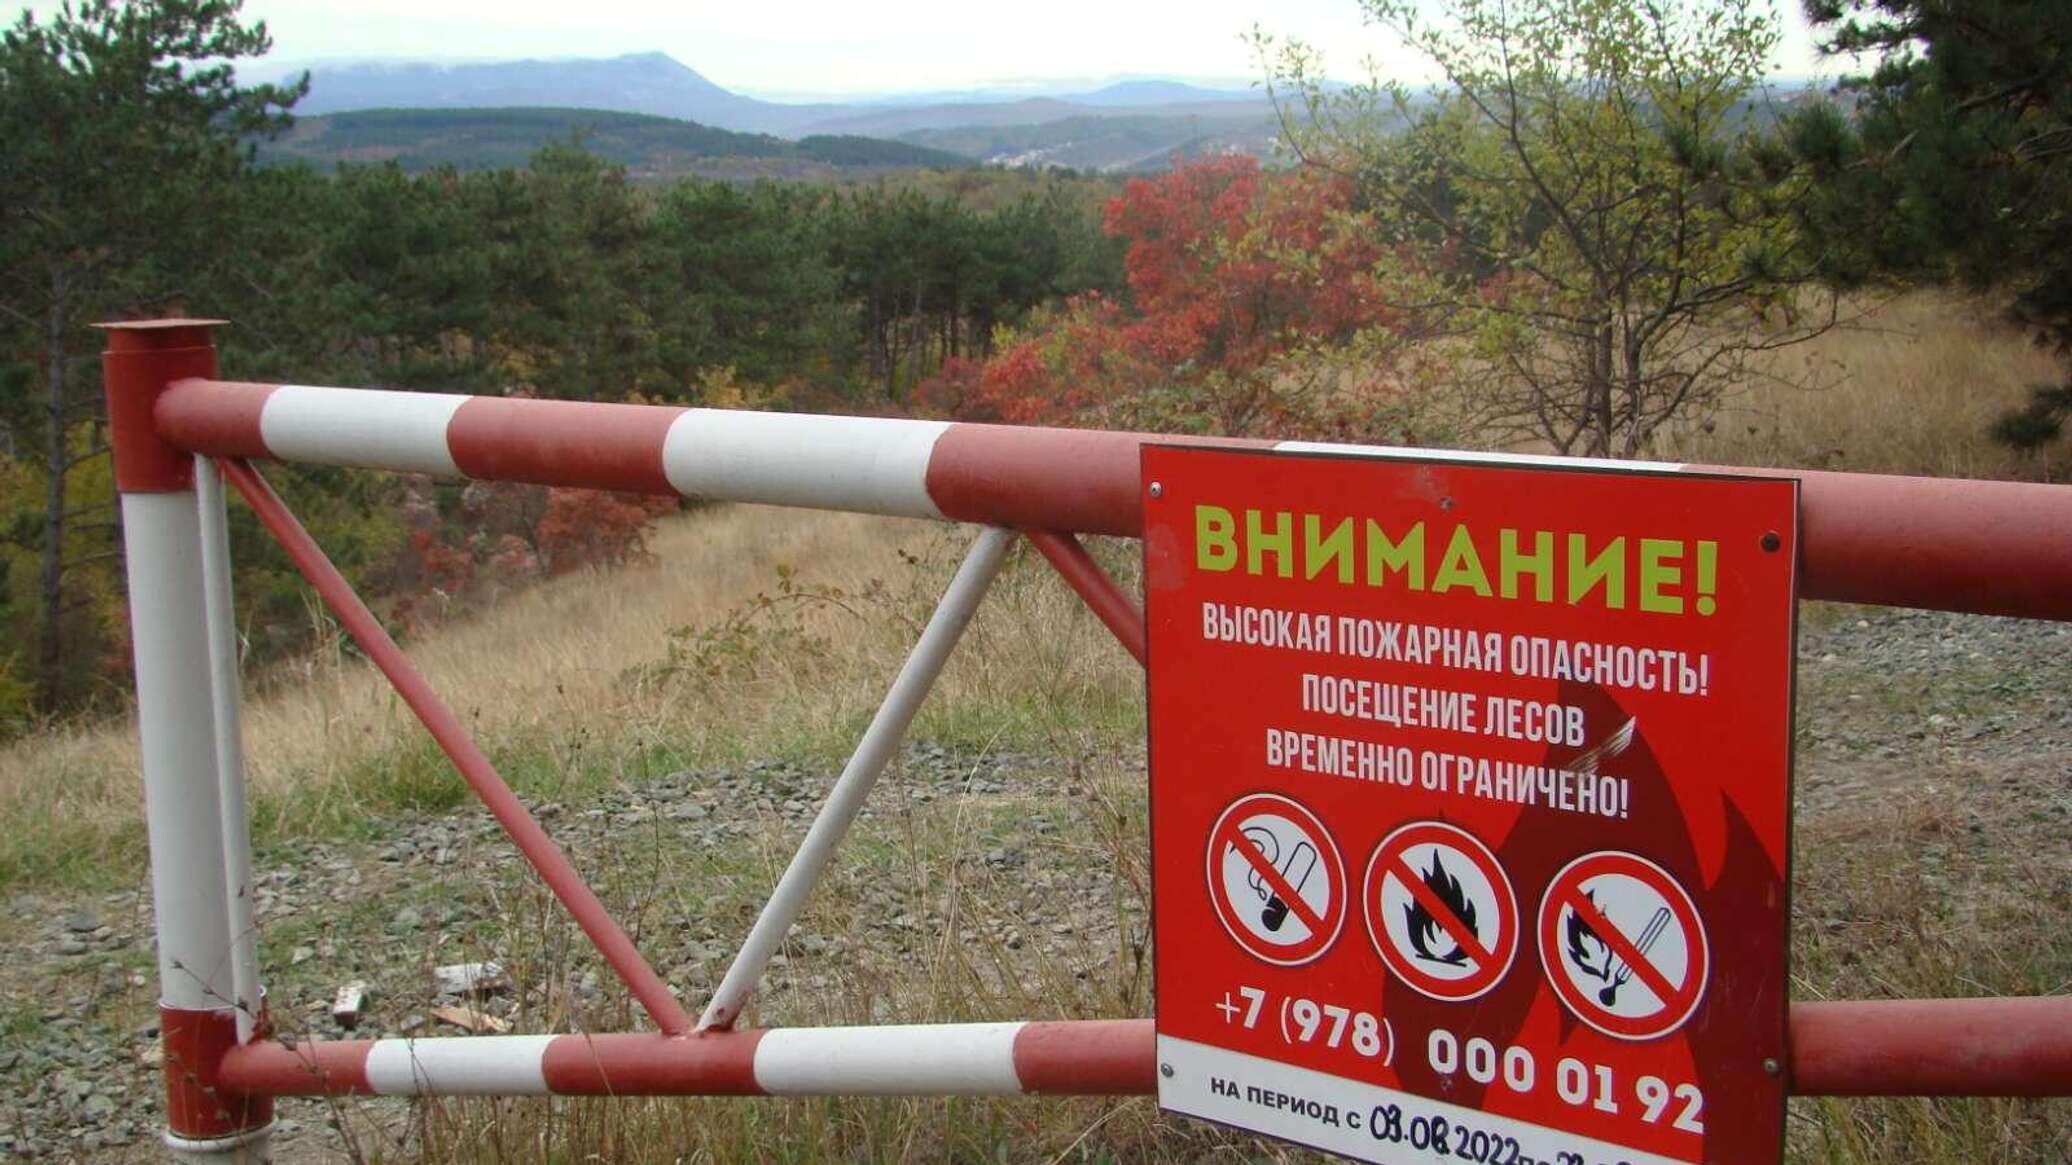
<point x="1080" y="1057"/>
<point x="453" y="739"/>
<point x="1069" y="557"/>
<point x="1909" y="1047"/>
<point x="1933" y="1047"/>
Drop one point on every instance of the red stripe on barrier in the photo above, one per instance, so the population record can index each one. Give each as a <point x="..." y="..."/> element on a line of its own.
<point x="711" y="1063"/>
<point x="1082" y="480"/>
<point x="558" y="442"/>
<point x="140" y="362"/>
<point x="1096" y="1057"/>
<point x="453" y="739"/>
<point x="220" y="417"/>
<point x="200" y="1103"/>
<point x="307" y="1068"/>
<point x="1988" y="547"/>
<point x="1933" y="1047"/>
<point x="1106" y="600"/>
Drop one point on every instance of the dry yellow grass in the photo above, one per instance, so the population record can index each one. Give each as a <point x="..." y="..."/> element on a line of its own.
<point x="1902" y="385"/>
<point x="571" y="681"/>
<point x="548" y="656"/>
<point x="317" y="719"/>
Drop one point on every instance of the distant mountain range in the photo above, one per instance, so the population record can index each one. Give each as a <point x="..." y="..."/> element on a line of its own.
<point x="650" y="83"/>
<point x="654" y="115"/>
<point x="648" y="146"/>
<point x="659" y="85"/>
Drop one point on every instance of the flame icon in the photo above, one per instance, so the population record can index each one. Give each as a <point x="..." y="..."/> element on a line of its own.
<point x="1424" y="928"/>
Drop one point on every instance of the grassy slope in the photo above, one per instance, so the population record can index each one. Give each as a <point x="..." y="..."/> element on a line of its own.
<point x="1907" y="385"/>
<point x="762" y="634"/>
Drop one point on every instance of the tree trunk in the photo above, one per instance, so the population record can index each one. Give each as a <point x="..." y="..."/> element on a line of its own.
<point x="50" y="641"/>
<point x="894" y="335"/>
<point x="1640" y="427"/>
<point x="1601" y="394"/>
<point x="880" y="356"/>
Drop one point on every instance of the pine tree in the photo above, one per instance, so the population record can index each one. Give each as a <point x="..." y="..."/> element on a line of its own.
<point x="122" y="127"/>
<point x="1960" y="158"/>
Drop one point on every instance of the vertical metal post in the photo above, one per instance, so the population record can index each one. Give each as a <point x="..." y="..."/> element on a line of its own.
<point x="226" y="700"/>
<point x="204" y="943"/>
<point x="844" y="801"/>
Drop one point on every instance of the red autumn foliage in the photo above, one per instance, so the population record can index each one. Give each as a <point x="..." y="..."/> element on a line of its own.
<point x="502" y="532"/>
<point x="592" y="527"/>
<point x="1230" y="268"/>
<point x="1230" y="265"/>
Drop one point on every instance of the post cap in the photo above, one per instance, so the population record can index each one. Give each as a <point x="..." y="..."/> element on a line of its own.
<point x="155" y="325"/>
<point x="144" y="335"/>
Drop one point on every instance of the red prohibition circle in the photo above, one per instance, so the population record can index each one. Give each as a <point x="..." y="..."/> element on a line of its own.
<point x="1322" y="928"/>
<point x="1679" y="1000"/>
<point x="1491" y="960"/>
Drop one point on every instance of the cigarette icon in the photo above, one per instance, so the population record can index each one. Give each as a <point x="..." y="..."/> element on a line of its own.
<point x="1616" y="968"/>
<point x="1300" y="864"/>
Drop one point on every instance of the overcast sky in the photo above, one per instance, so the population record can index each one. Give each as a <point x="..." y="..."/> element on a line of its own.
<point x="796" y="47"/>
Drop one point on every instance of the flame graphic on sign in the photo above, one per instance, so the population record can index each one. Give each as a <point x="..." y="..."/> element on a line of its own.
<point x="1586" y="948"/>
<point x="1424" y="928"/>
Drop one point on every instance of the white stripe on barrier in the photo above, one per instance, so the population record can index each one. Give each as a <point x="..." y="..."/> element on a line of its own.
<point x="964" y="1059"/>
<point x="505" y="1065"/>
<point x="177" y="741"/>
<point x="1412" y="454"/>
<point x="836" y="463"/>
<point x="372" y="428"/>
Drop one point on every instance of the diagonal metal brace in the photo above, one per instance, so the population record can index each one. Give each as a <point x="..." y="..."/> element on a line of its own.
<point x="981" y="563"/>
<point x="453" y="739"/>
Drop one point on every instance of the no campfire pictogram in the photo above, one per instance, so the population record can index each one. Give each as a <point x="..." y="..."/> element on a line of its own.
<point x="1623" y="945"/>
<point x="1276" y="879"/>
<point x="1440" y="910"/>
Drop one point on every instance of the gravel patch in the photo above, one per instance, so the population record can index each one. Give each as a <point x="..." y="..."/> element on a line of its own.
<point x="1003" y="853"/>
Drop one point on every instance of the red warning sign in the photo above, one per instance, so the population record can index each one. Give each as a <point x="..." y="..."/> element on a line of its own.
<point x="1470" y="783"/>
<point x="1623" y="945"/>
<point x="1440" y="911"/>
<point x="1276" y="879"/>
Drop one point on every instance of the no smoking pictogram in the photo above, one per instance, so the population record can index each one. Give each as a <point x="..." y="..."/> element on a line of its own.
<point x="1623" y="945"/>
<point x="1440" y="910"/>
<point x="1276" y="879"/>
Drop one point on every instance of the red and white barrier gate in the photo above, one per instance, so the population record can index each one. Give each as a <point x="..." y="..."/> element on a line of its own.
<point x="179" y="433"/>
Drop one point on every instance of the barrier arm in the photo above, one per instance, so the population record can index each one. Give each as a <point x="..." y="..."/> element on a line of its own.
<point x="1915" y="1047"/>
<point x="1988" y="547"/>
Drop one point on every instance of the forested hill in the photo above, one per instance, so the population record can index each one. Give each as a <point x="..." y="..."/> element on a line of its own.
<point x="487" y="139"/>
